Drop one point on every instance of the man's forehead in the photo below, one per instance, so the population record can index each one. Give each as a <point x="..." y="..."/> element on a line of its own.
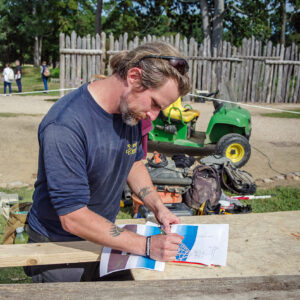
<point x="167" y="93"/>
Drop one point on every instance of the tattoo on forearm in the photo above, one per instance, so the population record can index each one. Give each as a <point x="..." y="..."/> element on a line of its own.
<point x="115" y="230"/>
<point x="144" y="192"/>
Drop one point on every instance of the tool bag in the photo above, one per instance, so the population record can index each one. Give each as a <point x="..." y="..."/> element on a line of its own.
<point x="205" y="187"/>
<point x="16" y="219"/>
<point x="236" y="180"/>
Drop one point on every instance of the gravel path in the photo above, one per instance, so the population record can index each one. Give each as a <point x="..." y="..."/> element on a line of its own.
<point x="278" y="139"/>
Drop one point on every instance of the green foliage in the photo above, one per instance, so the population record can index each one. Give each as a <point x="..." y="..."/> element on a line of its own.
<point x="54" y="73"/>
<point x="21" y="21"/>
<point x="283" y="199"/>
<point x="283" y="115"/>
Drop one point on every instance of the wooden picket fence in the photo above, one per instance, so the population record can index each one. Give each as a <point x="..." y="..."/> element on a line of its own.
<point x="256" y="72"/>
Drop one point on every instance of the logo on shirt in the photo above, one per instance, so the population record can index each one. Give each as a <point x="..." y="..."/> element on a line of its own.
<point x="131" y="149"/>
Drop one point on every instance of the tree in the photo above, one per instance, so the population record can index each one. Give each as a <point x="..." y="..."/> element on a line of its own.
<point x="212" y="23"/>
<point x="98" y="17"/>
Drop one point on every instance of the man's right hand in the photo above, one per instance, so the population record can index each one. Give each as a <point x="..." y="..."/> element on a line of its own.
<point x="165" y="247"/>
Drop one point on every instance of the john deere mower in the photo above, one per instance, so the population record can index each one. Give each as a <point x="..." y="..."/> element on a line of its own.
<point x="228" y="130"/>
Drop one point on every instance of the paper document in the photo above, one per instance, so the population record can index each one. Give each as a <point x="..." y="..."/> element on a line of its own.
<point x="203" y="243"/>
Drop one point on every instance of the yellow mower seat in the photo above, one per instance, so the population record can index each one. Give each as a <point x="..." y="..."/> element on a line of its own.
<point x="187" y="114"/>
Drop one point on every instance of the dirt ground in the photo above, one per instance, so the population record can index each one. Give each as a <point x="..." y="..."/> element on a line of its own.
<point x="273" y="139"/>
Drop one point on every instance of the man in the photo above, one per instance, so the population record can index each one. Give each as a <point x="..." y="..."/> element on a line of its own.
<point x="8" y="76"/>
<point x="18" y="71"/>
<point x="90" y="144"/>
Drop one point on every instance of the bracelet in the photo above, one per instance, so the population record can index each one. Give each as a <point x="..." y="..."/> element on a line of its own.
<point x="148" y="242"/>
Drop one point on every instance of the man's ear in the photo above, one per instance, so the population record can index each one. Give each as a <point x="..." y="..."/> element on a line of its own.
<point x="134" y="77"/>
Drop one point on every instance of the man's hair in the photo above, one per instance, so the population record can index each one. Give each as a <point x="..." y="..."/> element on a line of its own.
<point x="155" y="71"/>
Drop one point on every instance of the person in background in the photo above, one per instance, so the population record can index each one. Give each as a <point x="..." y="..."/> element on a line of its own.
<point x="45" y="75"/>
<point x="8" y="75"/>
<point x="18" y="75"/>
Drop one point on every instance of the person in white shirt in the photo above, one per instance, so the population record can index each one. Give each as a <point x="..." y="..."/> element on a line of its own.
<point x="8" y="75"/>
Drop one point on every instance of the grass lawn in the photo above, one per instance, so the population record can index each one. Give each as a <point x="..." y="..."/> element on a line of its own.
<point x="32" y="81"/>
<point x="283" y="199"/>
<point x="283" y="114"/>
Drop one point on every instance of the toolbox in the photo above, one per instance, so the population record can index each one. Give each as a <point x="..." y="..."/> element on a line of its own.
<point x="178" y="209"/>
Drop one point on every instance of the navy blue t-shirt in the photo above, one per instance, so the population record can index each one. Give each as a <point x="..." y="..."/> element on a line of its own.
<point x="85" y="157"/>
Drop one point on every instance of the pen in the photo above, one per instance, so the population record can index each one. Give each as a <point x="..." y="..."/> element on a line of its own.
<point x="163" y="230"/>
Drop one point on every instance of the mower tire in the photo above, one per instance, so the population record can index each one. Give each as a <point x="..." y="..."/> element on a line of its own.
<point x="235" y="147"/>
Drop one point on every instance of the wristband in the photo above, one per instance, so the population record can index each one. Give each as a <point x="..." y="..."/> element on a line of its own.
<point x="148" y="242"/>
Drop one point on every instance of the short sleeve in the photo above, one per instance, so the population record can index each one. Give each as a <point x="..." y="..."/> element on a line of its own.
<point x="65" y="168"/>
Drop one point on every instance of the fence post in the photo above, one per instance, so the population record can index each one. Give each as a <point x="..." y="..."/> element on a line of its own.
<point x="111" y="48"/>
<point x="103" y="54"/>
<point x="73" y="59"/>
<point x="98" y="56"/>
<point x="61" y="65"/>
<point x="84" y="62"/>
<point x="68" y="62"/>
<point x="278" y="97"/>
<point x="78" y="70"/>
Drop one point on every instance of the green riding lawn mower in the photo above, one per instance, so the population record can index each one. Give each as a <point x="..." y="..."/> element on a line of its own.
<point x="229" y="129"/>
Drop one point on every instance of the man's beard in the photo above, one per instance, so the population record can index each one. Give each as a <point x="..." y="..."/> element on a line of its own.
<point x="129" y="117"/>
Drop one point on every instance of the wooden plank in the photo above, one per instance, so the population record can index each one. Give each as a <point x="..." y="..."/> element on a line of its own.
<point x="93" y="65"/>
<point x="53" y="253"/>
<point x="177" y="40"/>
<point x="261" y="58"/>
<point x="267" y="76"/>
<point x="283" y="62"/>
<point x="81" y="51"/>
<point x="89" y="58"/>
<point x="111" y="47"/>
<point x="61" y="65"/>
<point x="261" y="74"/>
<point x="255" y="80"/>
<point x="287" y="56"/>
<point x="78" y="65"/>
<point x="250" y="68"/>
<point x="125" y="41"/>
<point x="200" y="69"/>
<point x="130" y="46"/>
<point x="73" y="59"/>
<point x="259" y="245"/>
<point x="278" y="97"/>
<point x="98" y="57"/>
<point x="195" y="67"/>
<point x="68" y="42"/>
<point x="222" y="68"/>
<point x="191" y="50"/>
<point x="275" y="73"/>
<point x="247" y="51"/>
<point x="266" y="287"/>
<point x="242" y="70"/>
<point x="234" y="70"/>
<point x="185" y="47"/>
<point x="229" y="65"/>
<point x="172" y="40"/>
<point x="103" y="52"/>
<point x="297" y="88"/>
<point x="48" y="253"/>
<point x="290" y="84"/>
<point x="204" y="77"/>
<point x="121" y="42"/>
<point x="136" y="42"/>
<point x="84" y="62"/>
